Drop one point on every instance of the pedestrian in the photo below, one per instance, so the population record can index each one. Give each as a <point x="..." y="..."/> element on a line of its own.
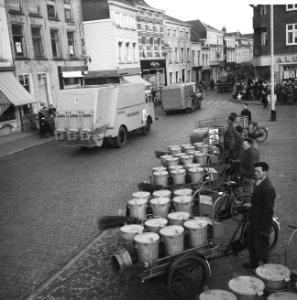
<point x="229" y="136"/>
<point x="246" y="112"/>
<point x="238" y="147"/>
<point x="264" y="94"/>
<point x="51" y="120"/>
<point x="250" y="156"/>
<point x="43" y="121"/>
<point x="260" y="217"/>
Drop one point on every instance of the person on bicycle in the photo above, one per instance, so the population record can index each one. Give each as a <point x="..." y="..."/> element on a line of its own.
<point x="260" y="217"/>
<point x="250" y="156"/>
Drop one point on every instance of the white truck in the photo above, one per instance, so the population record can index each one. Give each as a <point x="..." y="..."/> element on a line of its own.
<point x="88" y="115"/>
<point x="180" y="96"/>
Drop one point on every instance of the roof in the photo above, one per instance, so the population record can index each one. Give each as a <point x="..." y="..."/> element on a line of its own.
<point x="199" y="30"/>
<point x="169" y="18"/>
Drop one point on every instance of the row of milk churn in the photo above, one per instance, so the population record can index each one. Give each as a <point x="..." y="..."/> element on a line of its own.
<point x="181" y="160"/>
<point x="164" y="226"/>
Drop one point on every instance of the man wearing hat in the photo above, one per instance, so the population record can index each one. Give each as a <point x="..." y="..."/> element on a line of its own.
<point x="42" y="117"/>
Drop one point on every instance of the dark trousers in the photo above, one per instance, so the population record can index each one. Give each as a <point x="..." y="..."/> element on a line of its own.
<point x="258" y="246"/>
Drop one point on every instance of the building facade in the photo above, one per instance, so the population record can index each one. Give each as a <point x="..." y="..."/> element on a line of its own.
<point x="285" y="41"/>
<point x="177" y="37"/>
<point x="196" y="51"/>
<point x="212" y="48"/>
<point x="47" y="47"/>
<point x="111" y="40"/>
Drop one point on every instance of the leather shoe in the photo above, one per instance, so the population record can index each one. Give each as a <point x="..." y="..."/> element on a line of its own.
<point x="248" y="266"/>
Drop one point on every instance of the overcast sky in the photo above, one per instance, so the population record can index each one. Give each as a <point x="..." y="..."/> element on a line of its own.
<point x="234" y="14"/>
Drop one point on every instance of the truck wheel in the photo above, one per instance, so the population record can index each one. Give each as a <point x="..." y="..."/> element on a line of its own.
<point x="147" y="128"/>
<point x="121" y="139"/>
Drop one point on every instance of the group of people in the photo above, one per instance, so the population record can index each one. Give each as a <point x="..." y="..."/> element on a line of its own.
<point x="286" y="92"/>
<point x="247" y="90"/>
<point x="255" y="180"/>
<point x="46" y="118"/>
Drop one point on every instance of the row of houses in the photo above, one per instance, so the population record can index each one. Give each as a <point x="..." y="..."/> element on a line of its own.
<point x="50" y="45"/>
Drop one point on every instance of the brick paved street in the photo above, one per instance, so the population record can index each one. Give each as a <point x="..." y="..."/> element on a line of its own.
<point x="53" y="194"/>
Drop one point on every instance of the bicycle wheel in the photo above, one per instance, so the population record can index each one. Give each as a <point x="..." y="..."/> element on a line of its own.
<point x="221" y="208"/>
<point x="261" y="134"/>
<point x="237" y="208"/>
<point x="290" y="252"/>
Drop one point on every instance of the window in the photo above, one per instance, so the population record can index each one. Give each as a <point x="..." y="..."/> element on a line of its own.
<point x="25" y="82"/>
<point x="55" y="43"/>
<point x="37" y="41"/>
<point x="193" y="57"/>
<point x="263" y="9"/>
<point x="14" y="5"/>
<point x="188" y="54"/>
<point x="187" y="35"/>
<point x="33" y="7"/>
<point x="134" y="52"/>
<point x="117" y="18"/>
<point x="291" y="7"/>
<point x="71" y="43"/>
<point x="168" y="32"/>
<point x="51" y="9"/>
<point x="198" y="57"/>
<point x="291" y="30"/>
<point x="264" y="37"/>
<point x="67" y="1"/>
<point x="120" y="51"/>
<point x="18" y="40"/>
<point x="68" y="14"/>
<point x="127" y="52"/>
<point x="182" y="55"/>
<point x="176" y="54"/>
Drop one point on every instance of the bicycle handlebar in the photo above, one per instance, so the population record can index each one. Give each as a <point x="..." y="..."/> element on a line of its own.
<point x="292" y="226"/>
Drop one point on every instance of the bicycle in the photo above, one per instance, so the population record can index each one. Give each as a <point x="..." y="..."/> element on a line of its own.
<point x="259" y="133"/>
<point x="291" y="254"/>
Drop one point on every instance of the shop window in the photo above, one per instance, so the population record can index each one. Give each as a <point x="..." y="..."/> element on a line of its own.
<point x="18" y="40"/>
<point x="8" y="114"/>
<point x="37" y="42"/>
<point x="51" y="9"/>
<point x="71" y="43"/>
<point x="55" y="43"/>
<point x="291" y="34"/>
<point x="25" y="81"/>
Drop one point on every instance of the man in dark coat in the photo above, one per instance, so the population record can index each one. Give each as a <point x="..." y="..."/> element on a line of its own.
<point x="260" y="217"/>
<point x="246" y="113"/>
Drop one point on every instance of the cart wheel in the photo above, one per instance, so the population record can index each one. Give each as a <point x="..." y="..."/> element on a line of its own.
<point x="187" y="276"/>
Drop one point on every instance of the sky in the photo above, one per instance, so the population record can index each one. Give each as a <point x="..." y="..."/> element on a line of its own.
<point x="233" y="14"/>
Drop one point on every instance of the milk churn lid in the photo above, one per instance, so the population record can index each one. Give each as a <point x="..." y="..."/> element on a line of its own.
<point x="208" y="220"/>
<point x="146" y="237"/>
<point x="178" y="154"/>
<point x="176" y="167"/>
<point x="172" y="158"/>
<point x="273" y="272"/>
<point x="156" y="169"/>
<point x="187" y="156"/>
<point x="186" y="145"/>
<point x="165" y="156"/>
<point x="162" y="193"/>
<point x="178" y="171"/>
<point x="246" y="285"/>
<point x="173" y="147"/>
<point x="196" y="223"/>
<point x="159" y="200"/>
<point x="282" y="296"/>
<point x="137" y="201"/>
<point x="193" y="166"/>
<point x="194" y="170"/>
<point x="141" y="194"/>
<point x="182" y="199"/>
<point x="181" y="192"/>
<point x="156" y="222"/>
<point x="179" y="215"/>
<point x="217" y="295"/>
<point x="172" y="230"/>
<point x="132" y="228"/>
<point x="160" y="173"/>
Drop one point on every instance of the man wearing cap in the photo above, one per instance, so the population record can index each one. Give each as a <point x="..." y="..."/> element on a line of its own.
<point x="42" y="117"/>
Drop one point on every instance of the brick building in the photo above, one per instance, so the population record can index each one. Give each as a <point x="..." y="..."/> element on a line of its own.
<point x="285" y="41"/>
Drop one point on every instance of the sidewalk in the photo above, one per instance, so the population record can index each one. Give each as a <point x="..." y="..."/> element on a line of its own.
<point x="13" y="143"/>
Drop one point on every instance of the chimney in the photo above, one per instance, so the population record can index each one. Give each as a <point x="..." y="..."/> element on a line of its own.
<point x="224" y="29"/>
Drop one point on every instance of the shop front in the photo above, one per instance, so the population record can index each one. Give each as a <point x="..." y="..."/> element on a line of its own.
<point x="154" y="71"/>
<point x="15" y="104"/>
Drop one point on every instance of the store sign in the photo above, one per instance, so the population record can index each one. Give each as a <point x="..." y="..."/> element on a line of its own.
<point x="146" y="19"/>
<point x="155" y="64"/>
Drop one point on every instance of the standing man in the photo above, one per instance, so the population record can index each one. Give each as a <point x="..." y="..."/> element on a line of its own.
<point x="250" y="156"/>
<point x="229" y="136"/>
<point x="260" y="217"/>
<point x="42" y="117"/>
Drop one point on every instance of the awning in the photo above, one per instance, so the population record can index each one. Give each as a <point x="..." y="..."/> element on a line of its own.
<point x="13" y="91"/>
<point x="72" y="74"/>
<point x="136" y="79"/>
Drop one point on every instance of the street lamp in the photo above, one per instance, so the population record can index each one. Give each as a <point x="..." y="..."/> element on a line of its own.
<point x="272" y="96"/>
